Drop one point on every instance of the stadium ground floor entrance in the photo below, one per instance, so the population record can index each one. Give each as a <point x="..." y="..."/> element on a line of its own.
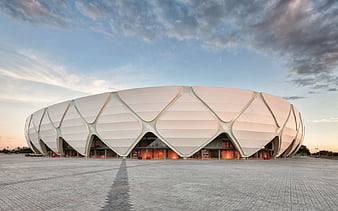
<point x="153" y="153"/>
<point x="68" y="151"/>
<point x="151" y="147"/>
<point x="220" y="148"/>
<point x="48" y="151"/>
<point x="98" y="149"/>
<point x="269" y="150"/>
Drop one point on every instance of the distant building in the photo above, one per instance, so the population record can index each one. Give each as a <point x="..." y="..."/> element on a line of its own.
<point x="169" y="122"/>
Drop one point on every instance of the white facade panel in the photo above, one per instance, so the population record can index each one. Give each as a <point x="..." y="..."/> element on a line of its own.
<point x="34" y="128"/>
<point x="289" y="133"/>
<point x="191" y="116"/>
<point x="301" y="130"/>
<point x="36" y="119"/>
<point x="302" y="138"/>
<point x="225" y="102"/>
<point x="48" y="134"/>
<point x="89" y="107"/>
<point x="299" y="136"/>
<point x="279" y="107"/>
<point x="149" y="102"/>
<point x="297" y="116"/>
<point x="255" y="127"/>
<point x="118" y="126"/>
<point x="27" y="122"/>
<point x="34" y="136"/>
<point x="184" y="118"/>
<point x="56" y="112"/>
<point x="74" y="130"/>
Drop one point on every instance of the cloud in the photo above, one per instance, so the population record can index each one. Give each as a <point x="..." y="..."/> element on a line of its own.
<point x="35" y="68"/>
<point x="93" y="10"/>
<point x="28" y="76"/>
<point x="294" y="97"/>
<point x="317" y="82"/>
<point x="303" y="33"/>
<point x="34" y="12"/>
<point x="329" y="120"/>
<point x="313" y="92"/>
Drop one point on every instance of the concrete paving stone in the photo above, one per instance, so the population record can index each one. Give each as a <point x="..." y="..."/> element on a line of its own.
<point x="28" y="183"/>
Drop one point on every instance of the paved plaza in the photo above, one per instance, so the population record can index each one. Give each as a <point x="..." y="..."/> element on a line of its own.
<point x="28" y="183"/>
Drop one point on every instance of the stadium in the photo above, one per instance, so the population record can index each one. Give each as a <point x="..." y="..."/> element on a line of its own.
<point x="169" y="122"/>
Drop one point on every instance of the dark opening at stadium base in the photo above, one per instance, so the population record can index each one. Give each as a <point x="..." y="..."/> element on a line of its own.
<point x="287" y="151"/>
<point x="46" y="150"/>
<point x="269" y="150"/>
<point x="98" y="149"/>
<point x="296" y="147"/>
<point x="34" y="148"/>
<point x="220" y="148"/>
<point x="150" y="147"/>
<point x="67" y="150"/>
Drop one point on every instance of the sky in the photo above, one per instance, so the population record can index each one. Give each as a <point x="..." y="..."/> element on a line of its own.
<point x="56" y="50"/>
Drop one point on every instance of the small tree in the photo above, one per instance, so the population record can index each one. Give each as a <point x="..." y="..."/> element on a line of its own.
<point x="303" y="150"/>
<point x="5" y="150"/>
<point x="25" y="150"/>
